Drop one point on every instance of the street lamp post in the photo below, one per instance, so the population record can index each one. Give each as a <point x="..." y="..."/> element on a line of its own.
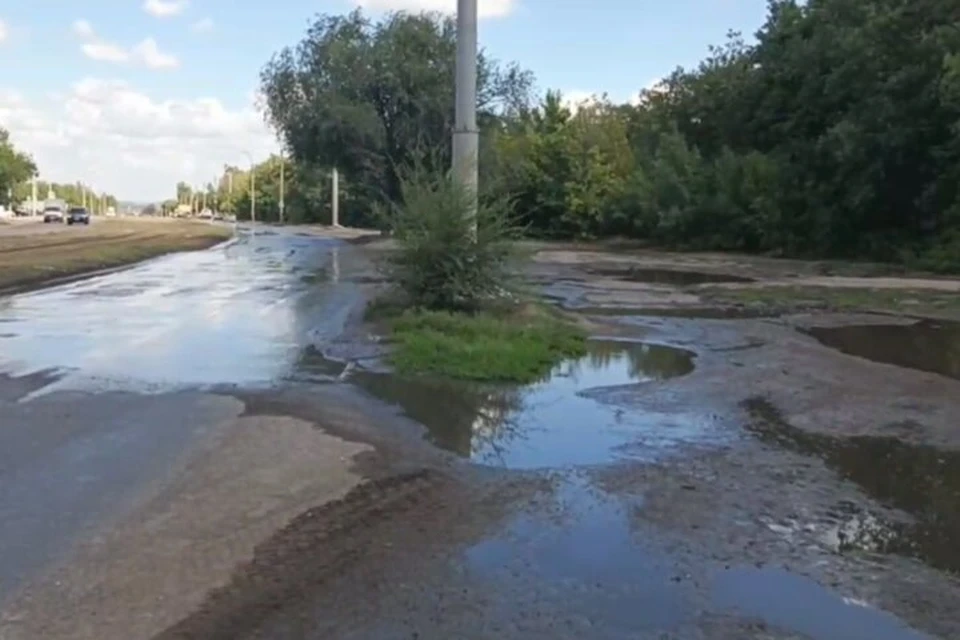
<point x="465" y="133"/>
<point x="253" y="188"/>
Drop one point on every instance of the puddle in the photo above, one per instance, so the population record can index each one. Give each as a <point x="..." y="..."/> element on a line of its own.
<point x="235" y="314"/>
<point x="920" y="480"/>
<point x="583" y="561"/>
<point x="553" y="422"/>
<point x="583" y="558"/>
<point x="667" y="276"/>
<point x="928" y="345"/>
<point x="800" y="605"/>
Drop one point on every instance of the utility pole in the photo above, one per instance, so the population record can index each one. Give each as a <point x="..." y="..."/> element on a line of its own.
<point x="281" y="187"/>
<point x="33" y="196"/>
<point x="253" y="194"/>
<point x="335" y="199"/>
<point x="465" y="134"/>
<point x="253" y="187"/>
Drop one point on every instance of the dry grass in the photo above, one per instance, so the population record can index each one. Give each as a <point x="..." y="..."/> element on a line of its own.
<point x="32" y="254"/>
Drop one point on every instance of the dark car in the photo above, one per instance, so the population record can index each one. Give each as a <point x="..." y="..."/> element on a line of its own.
<point x="78" y="215"/>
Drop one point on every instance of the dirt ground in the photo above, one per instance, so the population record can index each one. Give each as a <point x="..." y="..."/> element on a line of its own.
<point x="33" y="253"/>
<point x="825" y="509"/>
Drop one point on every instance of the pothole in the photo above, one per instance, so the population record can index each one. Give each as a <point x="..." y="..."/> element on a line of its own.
<point x="928" y="345"/>
<point x="922" y="481"/>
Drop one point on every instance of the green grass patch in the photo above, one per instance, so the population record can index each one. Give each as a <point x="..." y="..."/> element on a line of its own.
<point x="519" y="345"/>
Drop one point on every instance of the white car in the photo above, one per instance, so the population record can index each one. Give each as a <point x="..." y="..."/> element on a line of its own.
<point x="52" y="214"/>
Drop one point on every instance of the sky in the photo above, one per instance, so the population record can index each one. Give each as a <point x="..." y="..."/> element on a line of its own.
<point x="132" y="96"/>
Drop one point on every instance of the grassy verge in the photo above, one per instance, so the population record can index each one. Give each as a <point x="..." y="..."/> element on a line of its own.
<point x="908" y="301"/>
<point x="518" y="345"/>
<point x="30" y="259"/>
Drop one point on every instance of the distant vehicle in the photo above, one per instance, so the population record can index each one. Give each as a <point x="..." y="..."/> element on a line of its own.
<point x="78" y="215"/>
<point x="52" y="214"/>
<point x="54" y="210"/>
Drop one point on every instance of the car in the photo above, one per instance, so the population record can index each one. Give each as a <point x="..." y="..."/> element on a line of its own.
<point x="53" y="214"/>
<point x="78" y="215"/>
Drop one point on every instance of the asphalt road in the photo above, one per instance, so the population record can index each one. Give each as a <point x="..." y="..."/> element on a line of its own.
<point x="106" y="383"/>
<point x="174" y="465"/>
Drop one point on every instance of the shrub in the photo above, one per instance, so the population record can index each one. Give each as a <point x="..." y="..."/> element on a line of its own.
<point x="441" y="261"/>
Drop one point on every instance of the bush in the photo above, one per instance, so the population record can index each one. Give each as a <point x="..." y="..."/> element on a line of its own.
<point x="441" y="262"/>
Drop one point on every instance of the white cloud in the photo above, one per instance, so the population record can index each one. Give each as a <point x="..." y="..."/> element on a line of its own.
<point x="104" y="51"/>
<point x="485" y="8"/>
<point x="202" y="26"/>
<point x="575" y="99"/>
<point x="83" y="29"/>
<point x="4" y="32"/>
<point x="150" y="55"/>
<point x="164" y="8"/>
<point x="109" y="135"/>
<point x="146" y="52"/>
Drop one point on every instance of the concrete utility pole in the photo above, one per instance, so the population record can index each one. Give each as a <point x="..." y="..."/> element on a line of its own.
<point x="281" y="188"/>
<point x="253" y="188"/>
<point x="33" y="196"/>
<point x="253" y="194"/>
<point x="465" y="134"/>
<point x="335" y="198"/>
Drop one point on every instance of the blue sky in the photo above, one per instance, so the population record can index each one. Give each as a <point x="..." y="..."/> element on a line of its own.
<point x="617" y="46"/>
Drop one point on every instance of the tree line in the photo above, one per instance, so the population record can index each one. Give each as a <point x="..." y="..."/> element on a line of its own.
<point x="834" y="132"/>
<point x="17" y="171"/>
<point x="306" y="192"/>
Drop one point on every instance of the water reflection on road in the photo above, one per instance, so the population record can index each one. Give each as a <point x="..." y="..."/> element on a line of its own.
<point x="553" y="422"/>
<point x="235" y="314"/>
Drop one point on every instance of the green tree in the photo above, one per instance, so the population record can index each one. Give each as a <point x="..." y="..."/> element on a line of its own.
<point x="16" y="167"/>
<point x="371" y="98"/>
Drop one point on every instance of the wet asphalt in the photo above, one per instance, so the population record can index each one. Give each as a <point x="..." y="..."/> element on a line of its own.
<point x="109" y="380"/>
<point x="115" y="368"/>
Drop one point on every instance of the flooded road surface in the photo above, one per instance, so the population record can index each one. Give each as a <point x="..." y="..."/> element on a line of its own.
<point x="921" y="480"/>
<point x="239" y="314"/>
<point x="612" y="579"/>
<point x="927" y="345"/>
<point x="557" y="421"/>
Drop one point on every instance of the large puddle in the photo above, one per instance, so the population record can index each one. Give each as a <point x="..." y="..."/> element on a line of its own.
<point x="240" y="313"/>
<point x="609" y="577"/>
<point x="553" y="422"/>
<point x="920" y="480"/>
<point x="928" y="345"/>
